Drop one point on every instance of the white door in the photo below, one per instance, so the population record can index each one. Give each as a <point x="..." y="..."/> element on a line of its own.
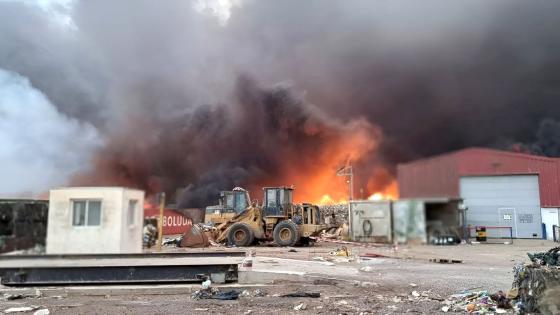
<point x="488" y="198"/>
<point x="507" y="219"/>
<point x="550" y="218"/>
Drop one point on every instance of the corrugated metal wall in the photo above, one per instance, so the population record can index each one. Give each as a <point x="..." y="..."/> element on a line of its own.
<point x="439" y="176"/>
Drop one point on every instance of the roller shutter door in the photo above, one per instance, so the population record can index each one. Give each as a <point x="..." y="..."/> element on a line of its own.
<point x="511" y="200"/>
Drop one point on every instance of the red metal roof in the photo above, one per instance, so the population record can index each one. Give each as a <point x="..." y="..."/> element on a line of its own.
<point x="438" y="176"/>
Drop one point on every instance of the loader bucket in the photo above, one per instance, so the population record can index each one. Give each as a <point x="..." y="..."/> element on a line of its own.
<point x="194" y="237"/>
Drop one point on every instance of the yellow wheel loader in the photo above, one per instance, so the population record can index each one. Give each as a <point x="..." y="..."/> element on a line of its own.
<point x="278" y="219"/>
<point x="229" y="205"/>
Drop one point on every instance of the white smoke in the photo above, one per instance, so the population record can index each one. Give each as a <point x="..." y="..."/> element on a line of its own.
<point x="39" y="147"/>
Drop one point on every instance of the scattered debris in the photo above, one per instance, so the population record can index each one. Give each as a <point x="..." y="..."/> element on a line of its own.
<point x="367" y="269"/>
<point x="20" y="309"/>
<point x="325" y="282"/>
<point x="319" y="258"/>
<point x="259" y="293"/>
<point x="245" y="293"/>
<point x="248" y="312"/>
<point x="303" y="294"/>
<point x="415" y="294"/>
<point x="300" y="307"/>
<point x="366" y="284"/>
<point x="374" y="255"/>
<point x="476" y="301"/>
<point x="446" y="261"/>
<point x="149" y="232"/>
<point x="343" y="251"/>
<point x="206" y="284"/>
<point x="342" y="302"/>
<point x="11" y="297"/>
<point x="215" y="294"/>
<point x="172" y="241"/>
<point x="207" y="292"/>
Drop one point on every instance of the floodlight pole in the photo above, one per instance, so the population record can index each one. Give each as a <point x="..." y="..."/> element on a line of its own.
<point x="348" y="172"/>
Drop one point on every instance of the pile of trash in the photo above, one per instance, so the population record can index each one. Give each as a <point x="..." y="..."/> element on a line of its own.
<point x="477" y="302"/>
<point x="534" y="283"/>
<point x="337" y="214"/>
<point x="549" y="258"/>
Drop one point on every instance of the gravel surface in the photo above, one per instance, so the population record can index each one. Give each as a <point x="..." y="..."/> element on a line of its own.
<point x="385" y="288"/>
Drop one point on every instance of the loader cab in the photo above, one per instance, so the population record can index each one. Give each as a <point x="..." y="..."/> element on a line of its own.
<point x="277" y="201"/>
<point x="234" y="201"/>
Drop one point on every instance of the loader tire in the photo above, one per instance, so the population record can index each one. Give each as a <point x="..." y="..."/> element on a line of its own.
<point x="286" y="233"/>
<point x="240" y="234"/>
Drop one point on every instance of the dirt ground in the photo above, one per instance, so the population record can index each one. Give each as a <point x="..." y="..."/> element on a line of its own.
<point x="403" y="282"/>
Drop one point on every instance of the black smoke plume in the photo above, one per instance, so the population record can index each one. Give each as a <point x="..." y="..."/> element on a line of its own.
<point x="161" y="82"/>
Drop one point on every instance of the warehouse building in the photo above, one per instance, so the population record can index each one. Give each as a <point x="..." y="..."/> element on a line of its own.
<point x="498" y="188"/>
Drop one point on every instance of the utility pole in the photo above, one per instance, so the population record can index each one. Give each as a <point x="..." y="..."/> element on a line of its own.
<point x="347" y="171"/>
<point x="160" y="221"/>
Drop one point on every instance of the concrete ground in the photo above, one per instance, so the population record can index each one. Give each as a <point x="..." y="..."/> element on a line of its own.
<point x="381" y="285"/>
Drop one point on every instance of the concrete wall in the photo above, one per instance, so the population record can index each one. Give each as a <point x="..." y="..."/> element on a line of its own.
<point x="112" y="235"/>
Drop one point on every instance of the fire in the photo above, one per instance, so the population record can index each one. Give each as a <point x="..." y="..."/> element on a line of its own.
<point x="389" y="193"/>
<point x="328" y="200"/>
<point x="378" y="196"/>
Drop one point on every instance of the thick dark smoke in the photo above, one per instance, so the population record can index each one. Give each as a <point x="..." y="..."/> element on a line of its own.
<point x="248" y="142"/>
<point x="184" y="100"/>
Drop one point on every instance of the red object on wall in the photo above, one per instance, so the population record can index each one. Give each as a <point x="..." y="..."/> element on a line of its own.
<point x="173" y="221"/>
<point x="439" y="176"/>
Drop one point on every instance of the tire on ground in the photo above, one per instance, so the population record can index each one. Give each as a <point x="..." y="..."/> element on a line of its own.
<point x="240" y="234"/>
<point x="286" y="233"/>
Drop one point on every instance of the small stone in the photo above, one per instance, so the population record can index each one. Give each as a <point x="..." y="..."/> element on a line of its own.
<point x="414" y="285"/>
<point x="342" y="302"/>
<point x="43" y="311"/>
<point x="445" y="309"/>
<point x="248" y="312"/>
<point x="415" y="294"/>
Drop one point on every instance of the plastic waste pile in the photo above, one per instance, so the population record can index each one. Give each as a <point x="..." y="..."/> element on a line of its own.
<point x="534" y="282"/>
<point x="548" y="258"/>
<point x="476" y="302"/>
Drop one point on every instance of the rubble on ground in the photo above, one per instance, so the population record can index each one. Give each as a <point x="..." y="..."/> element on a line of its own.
<point x="477" y="302"/>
